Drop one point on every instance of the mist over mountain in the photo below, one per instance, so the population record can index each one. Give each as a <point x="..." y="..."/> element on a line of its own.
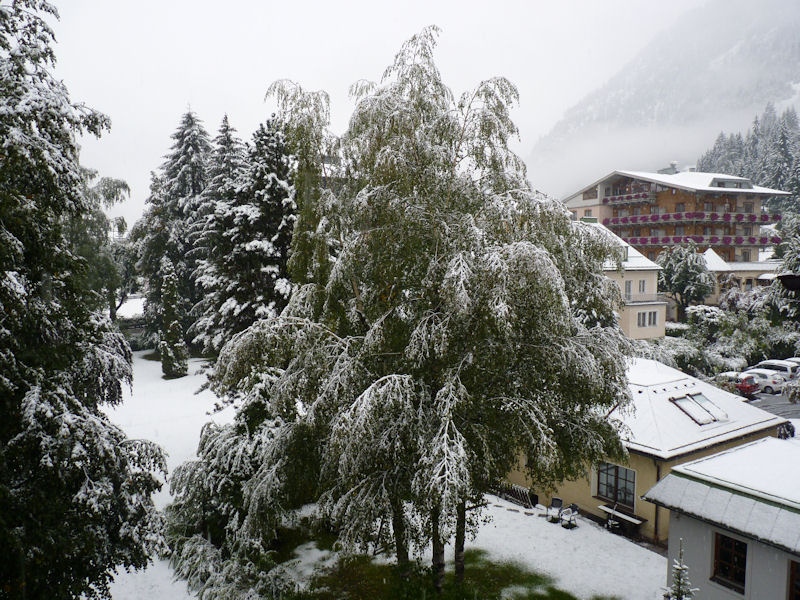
<point x="713" y="71"/>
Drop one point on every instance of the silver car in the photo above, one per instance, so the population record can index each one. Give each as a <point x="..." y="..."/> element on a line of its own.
<point x="770" y="382"/>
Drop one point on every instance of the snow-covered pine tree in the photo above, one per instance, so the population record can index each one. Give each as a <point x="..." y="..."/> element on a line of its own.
<point x="681" y="588"/>
<point x="684" y="276"/>
<point x="466" y="319"/>
<point x="213" y="236"/>
<point x="75" y="493"/>
<point x="171" y="346"/>
<point x="172" y="208"/>
<point x="245" y="276"/>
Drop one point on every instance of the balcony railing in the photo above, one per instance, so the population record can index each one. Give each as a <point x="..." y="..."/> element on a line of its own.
<point x="704" y="240"/>
<point x="642" y="298"/>
<point x="692" y="217"/>
<point x="638" y="198"/>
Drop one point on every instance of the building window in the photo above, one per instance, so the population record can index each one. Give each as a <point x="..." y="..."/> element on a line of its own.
<point x="748" y="230"/>
<point x="574" y="216"/>
<point x="642" y="286"/>
<point x="651" y="255"/>
<point x="654" y="210"/>
<point x="708" y="206"/>
<point x="641" y="319"/>
<point x="794" y="580"/>
<point x="748" y="284"/>
<point x="652" y="318"/>
<point x="706" y="230"/>
<point x="748" y="207"/>
<point x="730" y="562"/>
<point x="636" y="210"/>
<point x="616" y="484"/>
<point x="628" y="289"/>
<point x="679" y="230"/>
<point x="745" y="255"/>
<point x="680" y="207"/>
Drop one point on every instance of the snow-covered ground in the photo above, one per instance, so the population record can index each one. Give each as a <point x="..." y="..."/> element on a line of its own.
<point x="132" y="307"/>
<point x="585" y="561"/>
<point x="170" y="413"/>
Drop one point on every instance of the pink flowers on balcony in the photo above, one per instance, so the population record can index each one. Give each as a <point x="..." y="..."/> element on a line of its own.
<point x="653" y="240"/>
<point x="678" y="216"/>
<point x="775" y="240"/>
<point x="665" y="240"/>
<point x="739" y="240"/>
<point x="726" y="217"/>
<point x="605" y="200"/>
<point x="726" y="240"/>
<point x="714" y="239"/>
<point x="763" y="241"/>
<point x="751" y="240"/>
<point x="606" y="221"/>
<point x="623" y="220"/>
<point x="714" y="217"/>
<point x="666" y="217"/>
<point x="739" y="217"/>
<point x="677" y="239"/>
<point x="653" y="218"/>
<point x="752" y="218"/>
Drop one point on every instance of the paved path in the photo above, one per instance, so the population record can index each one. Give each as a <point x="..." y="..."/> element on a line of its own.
<point x="777" y="405"/>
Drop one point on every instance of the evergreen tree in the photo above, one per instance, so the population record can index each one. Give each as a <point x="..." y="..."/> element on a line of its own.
<point x="165" y="228"/>
<point x="171" y="347"/>
<point x="245" y="276"/>
<point x="413" y="375"/>
<point x="684" y="276"/>
<point x="75" y="493"/>
<point x="681" y="588"/>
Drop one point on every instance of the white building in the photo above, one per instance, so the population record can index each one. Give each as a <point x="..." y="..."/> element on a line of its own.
<point x="738" y="514"/>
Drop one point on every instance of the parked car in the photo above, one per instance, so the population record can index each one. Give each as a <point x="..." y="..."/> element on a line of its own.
<point x="794" y="359"/>
<point x="727" y="380"/>
<point x="787" y="368"/>
<point x="769" y="381"/>
<point x="746" y="385"/>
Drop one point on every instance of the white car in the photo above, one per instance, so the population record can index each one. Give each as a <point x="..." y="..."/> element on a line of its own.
<point x="770" y="382"/>
<point x="786" y="368"/>
<point x="794" y="359"/>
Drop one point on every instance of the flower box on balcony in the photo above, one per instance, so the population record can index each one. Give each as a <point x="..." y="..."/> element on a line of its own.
<point x="751" y="240"/>
<point x="726" y="240"/>
<point x="677" y="239"/>
<point x="763" y="240"/>
<point x="726" y="217"/>
<point x="653" y="218"/>
<point x="714" y="239"/>
<point x="666" y="217"/>
<point x="628" y="197"/>
<point x="699" y="215"/>
<point x="615" y="220"/>
<point x="764" y="218"/>
<point x="752" y="217"/>
<point x="698" y="239"/>
<point x="678" y="216"/>
<point x="739" y="217"/>
<point x="739" y="240"/>
<point x="653" y="240"/>
<point x="606" y="221"/>
<point x="623" y="220"/>
<point x="775" y="240"/>
<point x="605" y="200"/>
<point x="665" y="240"/>
<point x="714" y="217"/>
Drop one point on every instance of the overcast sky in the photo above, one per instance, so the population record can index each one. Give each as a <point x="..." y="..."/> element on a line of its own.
<point x="145" y="62"/>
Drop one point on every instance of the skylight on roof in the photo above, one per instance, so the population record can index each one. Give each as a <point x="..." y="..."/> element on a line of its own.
<point x="700" y="409"/>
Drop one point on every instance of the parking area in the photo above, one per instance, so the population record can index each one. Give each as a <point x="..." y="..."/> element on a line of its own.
<point x="777" y="404"/>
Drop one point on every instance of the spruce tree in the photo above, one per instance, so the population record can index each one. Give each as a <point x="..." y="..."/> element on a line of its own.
<point x="165" y="228"/>
<point x="75" y="493"/>
<point x="244" y="276"/>
<point x="171" y="345"/>
<point x="681" y="588"/>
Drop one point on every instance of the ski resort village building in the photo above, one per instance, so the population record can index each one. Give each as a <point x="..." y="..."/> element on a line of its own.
<point x="653" y="211"/>
<point x="738" y="514"/>
<point x="644" y="311"/>
<point x="674" y="418"/>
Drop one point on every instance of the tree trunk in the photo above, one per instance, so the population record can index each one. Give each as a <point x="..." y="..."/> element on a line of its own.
<point x="461" y="529"/>
<point x="112" y="306"/>
<point x="400" y="542"/>
<point x="438" y="551"/>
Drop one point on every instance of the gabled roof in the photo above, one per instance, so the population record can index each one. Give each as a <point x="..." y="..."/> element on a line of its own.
<point x="675" y="414"/>
<point x="692" y="181"/>
<point x="752" y="489"/>
<point x="634" y="260"/>
<point x="714" y="262"/>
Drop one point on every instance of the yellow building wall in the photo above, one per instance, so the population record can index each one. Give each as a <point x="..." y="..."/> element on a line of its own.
<point x="628" y="313"/>
<point x="648" y="470"/>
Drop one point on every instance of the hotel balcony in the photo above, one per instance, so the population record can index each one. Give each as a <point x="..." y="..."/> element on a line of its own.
<point x="692" y="217"/>
<point x="636" y="198"/>
<point x="704" y="240"/>
<point x="644" y="298"/>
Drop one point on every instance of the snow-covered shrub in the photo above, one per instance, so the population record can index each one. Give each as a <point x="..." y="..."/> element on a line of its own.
<point x="674" y="329"/>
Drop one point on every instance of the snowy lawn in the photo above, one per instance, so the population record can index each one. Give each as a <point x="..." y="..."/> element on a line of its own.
<point x="585" y="562"/>
<point x="169" y="413"/>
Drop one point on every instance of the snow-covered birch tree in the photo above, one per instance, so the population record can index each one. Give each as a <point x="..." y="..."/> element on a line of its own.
<point x="75" y="493"/>
<point x="464" y="325"/>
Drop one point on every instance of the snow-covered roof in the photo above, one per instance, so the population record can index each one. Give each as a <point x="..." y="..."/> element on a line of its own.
<point x="675" y="414"/>
<point x="765" y="266"/>
<point x="714" y="262"/>
<point x="634" y="260"/>
<point x="693" y="181"/>
<point x="752" y="489"/>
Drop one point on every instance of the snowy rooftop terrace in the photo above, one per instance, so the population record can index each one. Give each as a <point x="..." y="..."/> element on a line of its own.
<point x="674" y="414"/>
<point x="753" y="489"/>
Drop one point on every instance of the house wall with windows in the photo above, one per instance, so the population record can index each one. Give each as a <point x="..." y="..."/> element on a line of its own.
<point x="659" y="435"/>
<point x="767" y="570"/>
<point x="644" y="311"/>
<point x="737" y="515"/>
